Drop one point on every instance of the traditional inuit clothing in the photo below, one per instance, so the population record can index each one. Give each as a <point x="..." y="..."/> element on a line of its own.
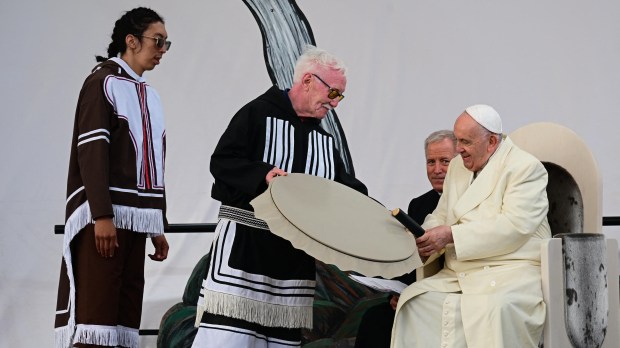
<point x="116" y="169"/>
<point x="259" y="290"/>
<point x="488" y="293"/>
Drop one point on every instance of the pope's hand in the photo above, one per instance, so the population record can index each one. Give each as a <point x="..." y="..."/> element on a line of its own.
<point x="434" y="240"/>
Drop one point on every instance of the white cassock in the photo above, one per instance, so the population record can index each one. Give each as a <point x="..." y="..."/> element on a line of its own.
<point x="488" y="294"/>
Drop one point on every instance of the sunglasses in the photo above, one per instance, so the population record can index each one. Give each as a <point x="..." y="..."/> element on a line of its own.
<point x="160" y="42"/>
<point x="333" y="92"/>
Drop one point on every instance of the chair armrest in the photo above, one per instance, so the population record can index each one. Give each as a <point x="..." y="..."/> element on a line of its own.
<point x="429" y="269"/>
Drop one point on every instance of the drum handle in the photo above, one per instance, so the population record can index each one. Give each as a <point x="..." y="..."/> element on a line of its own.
<point x="408" y="222"/>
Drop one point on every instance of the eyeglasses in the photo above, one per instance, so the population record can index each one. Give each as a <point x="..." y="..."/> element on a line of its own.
<point x="333" y="92"/>
<point x="159" y="41"/>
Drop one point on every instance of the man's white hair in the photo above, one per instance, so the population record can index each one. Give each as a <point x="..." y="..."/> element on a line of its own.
<point x="313" y="59"/>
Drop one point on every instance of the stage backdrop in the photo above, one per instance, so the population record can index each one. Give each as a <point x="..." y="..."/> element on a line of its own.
<point x="414" y="66"/>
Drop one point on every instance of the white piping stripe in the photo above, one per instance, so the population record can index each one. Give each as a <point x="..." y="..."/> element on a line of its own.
<point x="267" y="139"/>
<point x="320" y="157"/>
<point x="298" y="288"/>
<point x="329" y="157"/>
<point x="100" y="130"/>
<point x="273" y="138"/>
<point x="279" y="145"/>
<point x="286" y="144"/>
<point x="118" y="189"/>
<point x="93" y="138"/>
<point x="74" y="193"/>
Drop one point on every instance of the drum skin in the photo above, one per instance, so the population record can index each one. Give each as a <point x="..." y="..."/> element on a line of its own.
<point x="337" y="225"/>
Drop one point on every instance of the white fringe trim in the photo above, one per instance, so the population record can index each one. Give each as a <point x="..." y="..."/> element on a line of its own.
<point x="63" y="336"/>
<point x="96" y="334"/>
<point x="265" y="314"/>
<point x="200" y="309"/>
<point x="128" y="337"/>
<point x="142" y="220"/>
<point x="107" y="335"/>
<point x="200" y="306"/>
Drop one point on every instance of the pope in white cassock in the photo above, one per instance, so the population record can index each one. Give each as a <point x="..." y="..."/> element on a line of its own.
<point x="490" y="221"/>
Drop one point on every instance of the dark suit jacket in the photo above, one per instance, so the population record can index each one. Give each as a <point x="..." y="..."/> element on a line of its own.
<point x="421" y="206"/>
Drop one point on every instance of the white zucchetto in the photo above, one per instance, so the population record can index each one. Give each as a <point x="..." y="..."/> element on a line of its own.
<point x="486" y="116"/>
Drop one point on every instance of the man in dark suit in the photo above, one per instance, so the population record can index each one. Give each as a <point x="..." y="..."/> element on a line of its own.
<point x="440" y="148"/>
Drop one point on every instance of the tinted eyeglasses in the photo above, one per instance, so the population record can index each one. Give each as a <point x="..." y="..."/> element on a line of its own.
<point x="333" y="92"/>
<point x="160" y="42"/>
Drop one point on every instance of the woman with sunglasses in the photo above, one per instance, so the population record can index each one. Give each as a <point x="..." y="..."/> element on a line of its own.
<point x="115" y="190"/>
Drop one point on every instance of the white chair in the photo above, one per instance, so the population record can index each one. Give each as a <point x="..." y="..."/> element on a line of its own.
<point x="575" y="199"/>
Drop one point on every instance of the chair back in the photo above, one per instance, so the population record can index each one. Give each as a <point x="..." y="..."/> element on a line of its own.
<point x="575" y="186"/>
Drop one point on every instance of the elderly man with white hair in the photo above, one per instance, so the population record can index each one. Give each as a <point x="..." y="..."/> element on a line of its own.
<point x="490" y="222"/>
<point x="258" y="290"/>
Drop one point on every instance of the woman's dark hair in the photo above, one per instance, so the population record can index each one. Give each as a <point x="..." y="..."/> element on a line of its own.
<point x="134" y="22"/>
